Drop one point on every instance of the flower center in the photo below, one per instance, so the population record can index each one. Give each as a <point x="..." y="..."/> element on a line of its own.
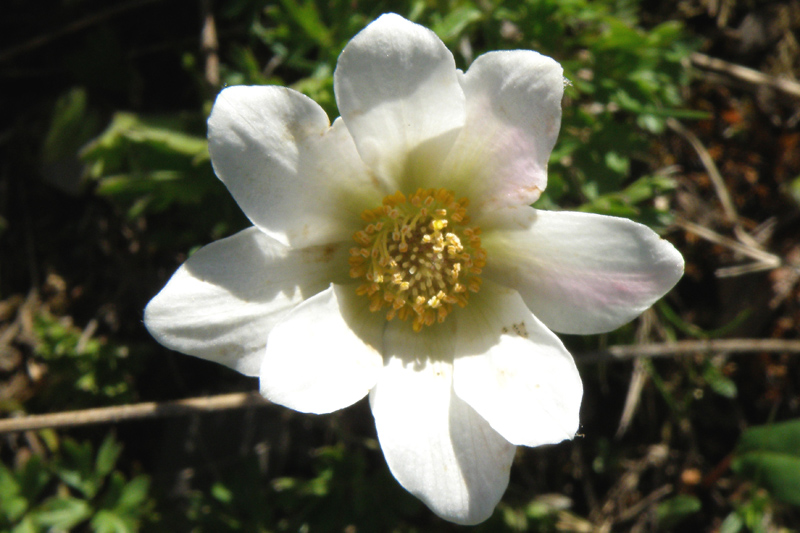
<point x="417" y="256"/>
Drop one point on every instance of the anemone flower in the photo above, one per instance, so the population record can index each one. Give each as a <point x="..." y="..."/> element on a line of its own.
<point x="395" y="254"/>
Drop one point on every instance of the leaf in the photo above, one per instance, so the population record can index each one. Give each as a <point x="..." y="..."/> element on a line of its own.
<point x="71" y="126"/>
<point x="783" y="438"/>
<point x="12" y="506"/>
<point x="770" y="457"/>
<point x="109" y="522"/>
<point x="779" y="474"/>
<point x="75" y="469"/>
<point x="129" y="128"/>
<point x="674" y="510"/>
<point x="221" y="493"/>
<point x="8" y="484"/>
<point x="308" y="18"/>
<point x="455" y="22"/>
<point x="62" y="513"/>
<point x="719" y="382"/>
<point x="134" y="494"/>
<point x="733" y="523"/>
<point x="107" y="457"/>
<point x="26" y="526"/>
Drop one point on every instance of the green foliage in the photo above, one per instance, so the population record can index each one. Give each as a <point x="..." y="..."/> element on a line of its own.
<point x="341" y="491"/>
<point x="751" y="515"/>
<point x="673" y="511"/>
<point x="150" y="165"/>
<point x="83" y="370"/>
<point x="75" y="488"/>
<point x="72" y="124"/>
<point x="770" y="457"/>
<point x="625" y="81"/>
<point x="633" y="201"/>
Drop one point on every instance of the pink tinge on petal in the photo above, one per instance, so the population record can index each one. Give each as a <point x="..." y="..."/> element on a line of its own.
<point x="601" y="288"/>
<point x="525" y="178"/>
<point x="513" y="116"/>
<point x="578" y="272"/>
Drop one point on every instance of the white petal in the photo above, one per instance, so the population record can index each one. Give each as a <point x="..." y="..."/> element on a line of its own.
<point x="579" y="272"/>
<point x="325" y="354"/>
<point x="223" y="301"/>
<point x="514" y="371"/>
<point x="398" y="93"/>
<point x="436" y="445"/>
<point x="513" y="117"/>
<point x="299" y="180"/>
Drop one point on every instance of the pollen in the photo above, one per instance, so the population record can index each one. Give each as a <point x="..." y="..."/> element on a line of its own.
<point x="418" y="256"/>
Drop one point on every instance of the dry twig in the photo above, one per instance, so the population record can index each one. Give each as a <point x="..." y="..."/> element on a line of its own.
<point x="690" y="347"/>
<point x="138" y="411"/>
<point x="106" y="415"/>
<point x="747" y="75"/>
<point x="746" y="244"/>
<point x="711" y="168"/>
<point x="85" y="22"/>
<point x="763" y="260"/>
<point x="210" y="45"/>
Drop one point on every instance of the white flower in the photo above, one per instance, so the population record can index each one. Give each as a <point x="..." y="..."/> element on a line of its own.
<point x="366" y="273"/>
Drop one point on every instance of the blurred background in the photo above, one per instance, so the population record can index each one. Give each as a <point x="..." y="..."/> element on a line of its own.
<point x="682" y="115"/>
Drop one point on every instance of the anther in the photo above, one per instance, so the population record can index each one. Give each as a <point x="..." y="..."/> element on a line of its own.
<point x="417" y="256"/>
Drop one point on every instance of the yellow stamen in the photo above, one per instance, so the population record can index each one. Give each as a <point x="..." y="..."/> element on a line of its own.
<point x="417" y="256"/>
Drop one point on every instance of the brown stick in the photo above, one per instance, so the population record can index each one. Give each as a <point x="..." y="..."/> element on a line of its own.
<point x="71" y="27"/>
<point x="690" y="347"/>
<point x="747" y="75"/>
<point x="210" y="46"/>
<point x="120" y="413"/>
<point x="106" y="415"/>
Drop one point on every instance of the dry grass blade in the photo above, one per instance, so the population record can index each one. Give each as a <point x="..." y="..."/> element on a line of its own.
<point x="747" y="75"/>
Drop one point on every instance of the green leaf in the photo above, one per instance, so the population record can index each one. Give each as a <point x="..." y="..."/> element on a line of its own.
<point x="782" y="438"/>
<point x="221" y="493"/>
<point x="62" y="513"/>
<point x="71" y="126"/>
<point x="107" y="456"/>
<point x="733" y="523"/>
<point x="770" y="457"/>
<point x="109" y="522"/>
<point x="450" y="28"/>
<point x="129" y="128"/>
<point x="778" y="473"/>
<point x="134" y="494"/>
<point x="13" y="506"/>
<point x="8" y="483"/>
<point x="33" y="477"/>
<point x="76" y="468"/>
<point x="719" y="382"/>
<point x="674" y="510"/>
<point x="308" y="18"/>
<point x="26" y="526"/>
<point x="793" y="188"/>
